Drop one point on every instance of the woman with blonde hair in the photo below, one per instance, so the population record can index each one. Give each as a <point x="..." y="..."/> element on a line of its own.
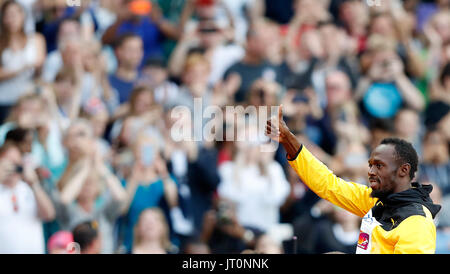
<point x="151" y="233"/>
<point x="88" y="189"/>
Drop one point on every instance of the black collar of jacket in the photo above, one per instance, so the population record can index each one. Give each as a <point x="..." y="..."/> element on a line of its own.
<point x="396" y="207"/>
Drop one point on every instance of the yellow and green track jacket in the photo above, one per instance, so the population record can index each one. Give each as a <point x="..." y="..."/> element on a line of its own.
<point x="401" y="223"/>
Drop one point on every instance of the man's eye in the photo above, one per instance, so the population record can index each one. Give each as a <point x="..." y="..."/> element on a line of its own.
<point x="378" y="165"/>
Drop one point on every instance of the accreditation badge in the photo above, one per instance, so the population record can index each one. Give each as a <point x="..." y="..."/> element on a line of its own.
<point x="368" y="223"/>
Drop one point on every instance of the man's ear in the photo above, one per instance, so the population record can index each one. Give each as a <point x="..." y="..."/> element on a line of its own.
<point x="404" y="170"/>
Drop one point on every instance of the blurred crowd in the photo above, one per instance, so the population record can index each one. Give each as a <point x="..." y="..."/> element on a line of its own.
<point x="88" y="162"/>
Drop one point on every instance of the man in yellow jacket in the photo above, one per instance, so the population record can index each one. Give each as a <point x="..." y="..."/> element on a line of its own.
<point x="397" y="213"/>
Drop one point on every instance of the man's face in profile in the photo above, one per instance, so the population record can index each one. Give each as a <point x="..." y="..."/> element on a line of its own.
<point x="382" y="171"/>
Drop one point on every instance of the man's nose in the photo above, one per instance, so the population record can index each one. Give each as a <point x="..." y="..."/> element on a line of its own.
<point x="371" y="172"/>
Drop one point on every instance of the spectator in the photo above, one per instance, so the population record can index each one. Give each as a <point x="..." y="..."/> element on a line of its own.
<point x="264" y="93"/>
<point x="258" y="200"/>
<point x="21" y="55"/>
<point x="53" y="13"/>
<point x="266" y="245"/>
<point x="210" y="37"/>
<point x="435" y="165"/>
<point x="140" y="113"/>
<point x="148" y="23"/>
<point x="129" y="53"/>
<point x="341" y="118"/>
<point x="350" y="162"/>
<point x="151" y="234"/>
<point x="407" y="127"/>
<point x="254" y="64"/>
<point x="339" y="233"/>
<point x="147" y="185"/>
<point x="195" y="82"/>
<point x="79" y="145"/>
<point x="439" y="104"/>
<point x="30" y="112"/>
<point x="65" y="97"/>
<point x="87" y="236"/>
<point x="386" y="81"/>
<point x="195" y="167"/>
<point x="155" y="76"/>
<point x="60" y="242"/>
<point x="442" y="220"/>
<point x="91" y="192"/>
<point x="222" y="231"/>
<point x="24" y="205"/>
<point x="354" y="17"/>
<point x="196" y="247"/>
<point x="69" y="30"/>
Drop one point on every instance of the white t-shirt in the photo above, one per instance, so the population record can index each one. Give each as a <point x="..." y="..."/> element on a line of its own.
<point x="258" y="198"/>
<point x="13" y="88"/>
<point x="224" y="56"/>
<point x="21" y="232"/>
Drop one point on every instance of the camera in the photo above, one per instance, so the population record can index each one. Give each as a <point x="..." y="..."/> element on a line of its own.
<point x="18" y="169"/>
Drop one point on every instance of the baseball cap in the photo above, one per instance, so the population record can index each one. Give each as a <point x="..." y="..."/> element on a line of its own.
<point x="60" y="240"/>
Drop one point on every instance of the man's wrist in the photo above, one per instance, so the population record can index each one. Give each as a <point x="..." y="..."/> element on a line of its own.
<point x="292" y="146"/>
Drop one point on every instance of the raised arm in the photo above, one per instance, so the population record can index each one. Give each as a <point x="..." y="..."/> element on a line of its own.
<point x="350" y="196"/>
<point x="73" y="184"/>
<point x="45" y="209"/>
<point x="112" y="182"/>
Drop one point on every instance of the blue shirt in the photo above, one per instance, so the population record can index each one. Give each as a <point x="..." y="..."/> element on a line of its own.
<point x="146" y="196"/>
<point x="123" y="88"/>
<point x="50" y="29"/>
<point x="149" y="33"/>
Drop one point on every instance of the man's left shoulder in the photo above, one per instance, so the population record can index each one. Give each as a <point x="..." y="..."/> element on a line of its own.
<point x="413" y="212"/>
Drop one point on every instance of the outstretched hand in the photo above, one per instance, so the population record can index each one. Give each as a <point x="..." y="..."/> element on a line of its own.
<point x="276" y="128"/>
<point x="278" y="131"/>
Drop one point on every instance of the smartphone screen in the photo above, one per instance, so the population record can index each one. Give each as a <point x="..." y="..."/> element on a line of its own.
<point x="148" y="155"/>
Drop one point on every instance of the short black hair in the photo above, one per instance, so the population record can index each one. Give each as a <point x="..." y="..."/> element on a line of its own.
<point x="406" y="154"/>
<point x="17" y="135"/>
<point x="122" y="39"/>
<point x="85" y="233"/>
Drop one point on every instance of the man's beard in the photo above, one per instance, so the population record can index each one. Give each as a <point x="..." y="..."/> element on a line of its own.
<point x="380" y="194"/>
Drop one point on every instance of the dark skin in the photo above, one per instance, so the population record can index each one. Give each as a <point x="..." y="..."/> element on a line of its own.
<point x="386" y="175"/>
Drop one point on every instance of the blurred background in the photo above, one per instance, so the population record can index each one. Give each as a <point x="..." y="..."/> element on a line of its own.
<point x="86" y="94"/>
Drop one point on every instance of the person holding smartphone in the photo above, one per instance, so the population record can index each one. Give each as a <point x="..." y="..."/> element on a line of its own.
<point x="24" y="205"/>
<point x="148" y="185"/>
